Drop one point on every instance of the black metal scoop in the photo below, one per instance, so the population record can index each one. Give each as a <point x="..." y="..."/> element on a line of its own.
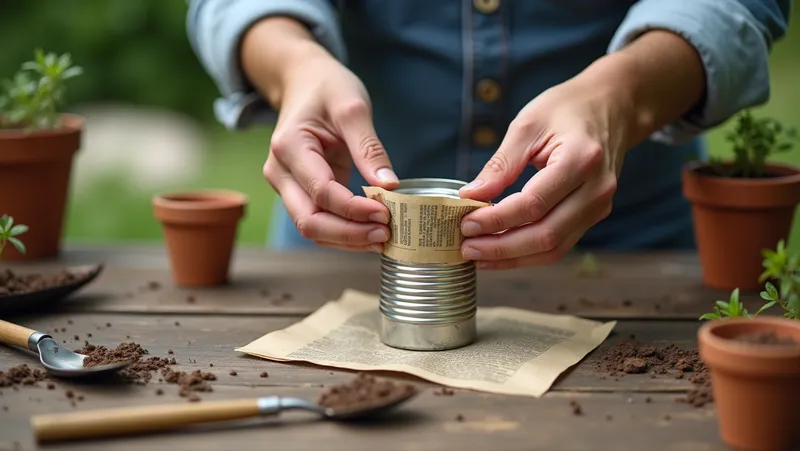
<point x="131" y="420"/>
<point x="38" y="300"/>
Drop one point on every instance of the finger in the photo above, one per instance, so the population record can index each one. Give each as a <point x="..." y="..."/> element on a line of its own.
<point x="545" y="258"/>
<point x="570" y="166"/>
<point x="301" y="154"/>
<point x="506" y="165"/>
<point x="317" y="225"/>
<point x="578" y="212"/>
<point x="378" y="248"/>
<point x="369" y="155"/>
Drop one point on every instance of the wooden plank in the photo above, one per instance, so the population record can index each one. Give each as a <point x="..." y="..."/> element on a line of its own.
<point x="663" y="286"/>
<point x="616" y="421"/>
<point x="200" y="341"/>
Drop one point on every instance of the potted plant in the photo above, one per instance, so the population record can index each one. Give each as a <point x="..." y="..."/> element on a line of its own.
<point x="200" y="231"/>
<point x="754" y="361"/>
<point x="37" y="146"/>
<point x="743" y="205"/>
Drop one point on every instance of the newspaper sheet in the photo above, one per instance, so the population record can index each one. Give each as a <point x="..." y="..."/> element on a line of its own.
<point x="518" y="352"/>
<point x="424" y="229"/>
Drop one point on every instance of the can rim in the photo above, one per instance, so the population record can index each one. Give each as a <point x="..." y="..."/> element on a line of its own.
<point x="407" y="186"/>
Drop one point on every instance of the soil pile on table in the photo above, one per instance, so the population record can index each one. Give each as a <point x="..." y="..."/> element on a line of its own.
<point x="12" y="283"/>
<point x="142" y="370"/>
<point x="365" y="392"/>
<point x="21" y="375"/>
<point x="630" y="357"/>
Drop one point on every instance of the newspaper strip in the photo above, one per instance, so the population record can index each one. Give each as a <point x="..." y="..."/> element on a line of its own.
<point x="518" y="352"/>
<point x="424" y="229"/>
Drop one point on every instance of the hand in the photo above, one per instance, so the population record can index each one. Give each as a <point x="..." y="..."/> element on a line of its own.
<point x="574" y="135"/>
<point x="325" y="125"/>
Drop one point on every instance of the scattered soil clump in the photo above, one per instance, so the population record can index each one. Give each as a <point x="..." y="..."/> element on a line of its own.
<point x="12" y="283"/>
<point x="443" y="391"/>
<point x="21" y="375"/>
<point x="364" y="392"/>
<point x="576" y="408"/>
<point x="630" y="357"/>
<point x="189" y="383"/>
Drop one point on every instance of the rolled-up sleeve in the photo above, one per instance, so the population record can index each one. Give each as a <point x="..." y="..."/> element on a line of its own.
<point x="733" y="39"/>
<point x="215" y="29"/>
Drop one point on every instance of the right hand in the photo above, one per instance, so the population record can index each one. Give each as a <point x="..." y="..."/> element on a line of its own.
<point x="324" y="125"/>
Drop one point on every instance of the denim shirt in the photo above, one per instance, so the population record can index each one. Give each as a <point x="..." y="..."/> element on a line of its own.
<point x="446" y="77"/>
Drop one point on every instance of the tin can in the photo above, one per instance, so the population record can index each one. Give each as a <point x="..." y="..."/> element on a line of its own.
<point x="428" y="307"/>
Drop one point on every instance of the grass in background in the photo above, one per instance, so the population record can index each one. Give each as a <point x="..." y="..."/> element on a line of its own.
<point x="115" y="212"/>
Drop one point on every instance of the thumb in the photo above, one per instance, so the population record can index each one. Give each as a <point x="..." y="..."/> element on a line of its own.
<point x="500" y="172"/>
<point x="367" y="151"/>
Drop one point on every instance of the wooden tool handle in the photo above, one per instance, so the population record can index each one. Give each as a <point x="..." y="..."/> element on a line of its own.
<point x="129" y="420"/>
<point x="14" y="335"/>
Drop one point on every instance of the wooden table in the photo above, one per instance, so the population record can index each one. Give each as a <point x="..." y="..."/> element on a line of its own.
<point x="657" y="297"/>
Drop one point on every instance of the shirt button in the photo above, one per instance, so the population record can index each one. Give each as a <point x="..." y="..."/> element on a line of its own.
<point x="486" y="6"/>
<point x="488" y="90"/>
<point x="484" y="136"/>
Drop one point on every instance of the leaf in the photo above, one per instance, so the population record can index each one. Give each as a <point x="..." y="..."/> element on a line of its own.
<point x="773" y="292"/>
<point x="766" y="306"/>
<point x="18" y="229"/>
<point x="72" y="72"/>
<point x="6" y="222"/>
<point x="709" y="316"/>
<point x="723" y="305"/>
<point x="17" y="244"/>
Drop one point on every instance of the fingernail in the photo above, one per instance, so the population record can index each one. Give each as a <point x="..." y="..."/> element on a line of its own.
<point x="379" y="217"/>
<point x="472" y="185"/>
<point x="470" y="253"/>
<point x="471" y="228"/>
<point x="386" y="175"/>
<point x="375" y="248"/>
<point x="377" y="236"/>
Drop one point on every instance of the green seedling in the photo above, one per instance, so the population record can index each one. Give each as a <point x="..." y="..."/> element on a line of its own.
<point x="9" y="233"/>
<point x="779" y="266"/>
<point x="588" y="266"/>
<point x="754" y="141"/>
<point x="30" y="99"/>
<point x="782" y="267"/>
<point x="732" y="308"/>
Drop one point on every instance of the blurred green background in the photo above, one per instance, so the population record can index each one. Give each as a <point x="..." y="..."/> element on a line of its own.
<point x="150" y="109"/>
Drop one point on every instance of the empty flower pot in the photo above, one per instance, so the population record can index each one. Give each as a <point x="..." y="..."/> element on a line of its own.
<point x="754" y="384"/>
<point x="200" y="232"/>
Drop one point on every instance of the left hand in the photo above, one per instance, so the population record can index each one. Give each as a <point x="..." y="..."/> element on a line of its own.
<point x="575" y="135"/>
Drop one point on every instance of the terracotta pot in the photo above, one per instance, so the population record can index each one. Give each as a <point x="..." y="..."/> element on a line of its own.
<point x="754" y="385"/>
<point x="200" y="231"/>
<point x="736" y="218"/>
<point x="35" y="171"/>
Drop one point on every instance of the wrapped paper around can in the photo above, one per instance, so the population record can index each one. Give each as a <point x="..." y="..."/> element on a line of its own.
<point x="428" y="295"/>
<point x="425" y="220"/>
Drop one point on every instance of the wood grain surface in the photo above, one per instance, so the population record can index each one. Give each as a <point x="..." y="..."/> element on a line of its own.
<point x="135" y="297"/>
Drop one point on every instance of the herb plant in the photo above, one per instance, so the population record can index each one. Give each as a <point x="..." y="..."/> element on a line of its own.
<point x="733" y="308"/>
<point x="9" y="233"/>
<point x="754" y="140"/>
<point x="782" y="267"/>
<point x="30" y="99"/>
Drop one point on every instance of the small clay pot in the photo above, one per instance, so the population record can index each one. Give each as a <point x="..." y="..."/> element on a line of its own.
<point x="35" y="172"/>
<point x="735" y="219"/>
<point x="200" y="232"/>
<point x="755" y="386"/>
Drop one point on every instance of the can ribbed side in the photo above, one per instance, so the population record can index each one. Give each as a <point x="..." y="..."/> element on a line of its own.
<point x="427" y="294"/>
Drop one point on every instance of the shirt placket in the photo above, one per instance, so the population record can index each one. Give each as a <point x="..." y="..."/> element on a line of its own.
<point x="485" y="63"/>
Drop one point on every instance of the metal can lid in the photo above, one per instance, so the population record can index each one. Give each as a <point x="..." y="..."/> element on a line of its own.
<point x="430" y="187"/>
